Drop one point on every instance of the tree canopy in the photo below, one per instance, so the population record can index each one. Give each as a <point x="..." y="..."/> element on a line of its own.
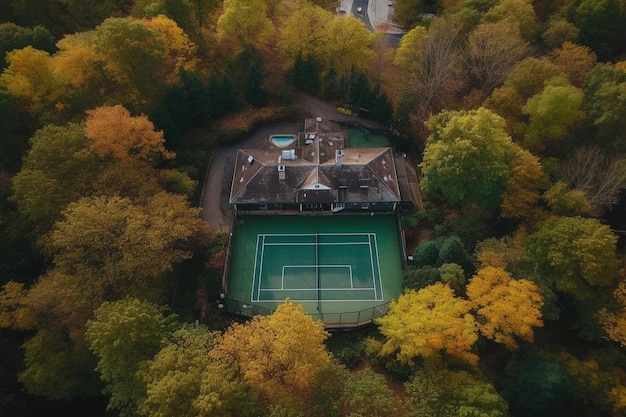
<point x="427" y="323"/>
<point x="466" y="159"/>
<point x="279" y="355"/>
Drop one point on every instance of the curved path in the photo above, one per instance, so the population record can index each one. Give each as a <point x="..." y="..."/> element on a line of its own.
<point x="214" y="200"/>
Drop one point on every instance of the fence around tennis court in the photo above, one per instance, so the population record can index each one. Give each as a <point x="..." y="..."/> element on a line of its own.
<point x="344" y="320"/>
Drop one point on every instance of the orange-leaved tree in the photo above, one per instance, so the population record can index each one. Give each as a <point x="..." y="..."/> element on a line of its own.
<point x="118" y="134"/>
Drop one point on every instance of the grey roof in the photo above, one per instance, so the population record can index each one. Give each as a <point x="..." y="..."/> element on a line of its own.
<point x="316" y="174"/>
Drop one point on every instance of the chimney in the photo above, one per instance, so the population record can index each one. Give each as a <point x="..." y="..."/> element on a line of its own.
<point x="281" y="172"/>
<point x="338" y="157"/>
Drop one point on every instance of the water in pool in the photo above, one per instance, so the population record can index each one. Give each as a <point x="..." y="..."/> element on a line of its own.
<point x="282" y="141"/>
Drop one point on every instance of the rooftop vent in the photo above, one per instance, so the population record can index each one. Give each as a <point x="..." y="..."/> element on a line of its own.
<point x="338" y="157"/>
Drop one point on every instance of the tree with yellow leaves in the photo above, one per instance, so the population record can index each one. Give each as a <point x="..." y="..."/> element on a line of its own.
<point x="245" y="24"/>
<point x="30" y="77"/>
<point x="279" y="355"/>
<point x="429" y="322"/>
<point x="523" y="186"/>
<point x="14" y="311"/>
<point x="506" y="308"/>
<point x="614" y="323"/>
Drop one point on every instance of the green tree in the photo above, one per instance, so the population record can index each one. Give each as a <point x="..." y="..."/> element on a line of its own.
<point x="605" y="101"/>
<point x="367" y="393"/>
<point x="573" y="254"/>
<point x="348" y="48"/>
<point x="253" y="84"/>
<point x="441" y="392"/>
<point x="13" y="37"/>
<point x="135" y="60"/>
<point x="245" y="24"/>
<point x="518" y="13"/>
<point x="452" y="251"/>
<point x="428" y="323"/>
<point x="113" y="247"/>
<point x="536" y="387"/>
<point x="466" y="159"/>
<point x="123" y="335"/>
<point x="564" y="201"/>
<point x="304" y="34"/>
<point x="427" y="253"/>
<point x="601" y="24"/>
<point x="529" y="77"/>
<point x="552" y="113"/>
<point x="559" y="30"/>
<point x="56" y="368"/>
<point x="58" y="169"/>
<point x="407" y="12"/>
<point x="416" y="278"/>
<point x="85" y="14"/>
<point x="305" y="75"/>
<point x="453" y="275"/>
<point x="182" y="380"/>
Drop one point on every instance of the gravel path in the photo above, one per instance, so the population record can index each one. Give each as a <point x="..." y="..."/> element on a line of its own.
<point x="214" y="201"/>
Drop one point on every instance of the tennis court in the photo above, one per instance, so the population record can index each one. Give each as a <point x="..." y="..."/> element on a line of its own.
<point x="329" y="264"/>
<point x="319" y="266"/>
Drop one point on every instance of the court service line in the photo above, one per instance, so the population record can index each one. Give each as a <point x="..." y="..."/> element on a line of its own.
<point x="296" y="300"/>
<point x="323" y="289"/>
<point x="313" y="234"/>
<point x="313" y="243"/>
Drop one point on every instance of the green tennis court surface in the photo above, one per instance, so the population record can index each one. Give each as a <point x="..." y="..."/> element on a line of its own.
<point x="324" y="267"/>
<point x="329" y="264"/>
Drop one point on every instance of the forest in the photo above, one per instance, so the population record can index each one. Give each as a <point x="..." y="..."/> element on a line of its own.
<point x="512" y="111"/>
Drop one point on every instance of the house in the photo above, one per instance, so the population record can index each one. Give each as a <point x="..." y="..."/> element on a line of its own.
<point x="312" y="171"/>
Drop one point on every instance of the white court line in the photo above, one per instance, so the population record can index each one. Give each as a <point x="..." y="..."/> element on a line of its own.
<point x="374" y="287"/>
<point x="323" y="289"/>
<point x="351" y="278"/>
<point x="256" y="257"/>
<point x="313" y="234"/>
<point x="261" y="267"/>
<point x="314" y="244"/>
<point x="369" y="242"/>
<point x="380" y="278"/>
<point x="282" y="288"/>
